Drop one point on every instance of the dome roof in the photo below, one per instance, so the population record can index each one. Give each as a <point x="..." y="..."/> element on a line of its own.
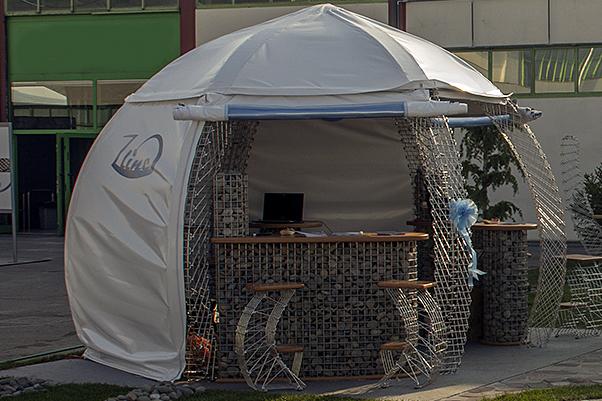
<point x="319" y="50"/>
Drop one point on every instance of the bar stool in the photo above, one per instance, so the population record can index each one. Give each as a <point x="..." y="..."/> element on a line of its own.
<point x="582" y="315"/>
<point x="259" y="358"/>
<point x="421" y="353"/>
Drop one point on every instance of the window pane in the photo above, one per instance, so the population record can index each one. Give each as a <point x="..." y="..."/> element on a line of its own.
<point x="511" y="71"/>
<point x="160" y="3"/>
<point x="590" y="69"/>
<point x="29" y="6"/>
<point x="52" y="105"/>
<point x="55" y="5"/>
<point x="110" y="96"/>
<point x="135" y="4"/>
<point x="478" y="60"/>
<point x="554" y="70"/>
<point x="90" y="5"/>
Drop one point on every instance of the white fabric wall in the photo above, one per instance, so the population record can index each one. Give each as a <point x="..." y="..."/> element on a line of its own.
<point x="123" y="251"/>
<point x="353" y="172"/>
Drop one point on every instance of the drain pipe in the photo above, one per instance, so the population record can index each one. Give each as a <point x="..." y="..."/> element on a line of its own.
<point x="401" y="15"/>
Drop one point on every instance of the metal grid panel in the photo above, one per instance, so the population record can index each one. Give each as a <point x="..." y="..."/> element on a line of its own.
<point x="341" y="317"/>
<point x="430" y="144"/>
<point x="201" y="344"/>
<point x="215" y="141"/>
<point x="588" y="230"/>
<point x="550" y="215"/>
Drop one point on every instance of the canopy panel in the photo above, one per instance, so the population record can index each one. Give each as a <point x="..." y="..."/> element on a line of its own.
<point x="320" y="50"/>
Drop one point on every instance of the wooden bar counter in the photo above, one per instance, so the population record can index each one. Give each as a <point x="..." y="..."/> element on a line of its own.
<point x="340" y="317"/>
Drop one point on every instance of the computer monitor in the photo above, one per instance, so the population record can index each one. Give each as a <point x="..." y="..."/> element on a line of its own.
<point x="283" y="207"/>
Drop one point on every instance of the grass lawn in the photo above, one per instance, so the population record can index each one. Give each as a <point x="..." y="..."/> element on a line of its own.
<point x="100" y="392"/>
<point x="567" y="393"/>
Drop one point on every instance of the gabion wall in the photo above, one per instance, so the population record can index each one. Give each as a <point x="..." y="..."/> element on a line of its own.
<point x="341" y="317"/>
<point x="231" y="205"/>
<point x="503" y="255"/>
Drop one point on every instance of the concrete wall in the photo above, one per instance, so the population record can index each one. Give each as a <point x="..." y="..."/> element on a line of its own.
<point x="447" y="23"/>
<point x="212" y="23"/>
<point x="468" y="23"/>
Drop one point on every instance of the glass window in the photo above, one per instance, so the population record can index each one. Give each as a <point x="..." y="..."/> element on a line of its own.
<point x="554" y="70"/>
<point x="478" y="60"/>
<point x="90" y="5"/>
<point x="160" y="3"/>
<point x="18" y="6"/>
<point x="50" y="6"/>
<point x="52" y="105"/>
<point x="590" y="69"/>
<point x="511" y="70"/>
<point x="110" y="96"/>
<point x="134" y="4"/>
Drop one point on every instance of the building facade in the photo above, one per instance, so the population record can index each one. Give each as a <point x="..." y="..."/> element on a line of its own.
<point x="547" y="52"/>
<point x="67" y="66"/>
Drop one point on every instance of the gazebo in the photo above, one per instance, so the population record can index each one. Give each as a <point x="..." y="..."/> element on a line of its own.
<point x="180" y="162"/>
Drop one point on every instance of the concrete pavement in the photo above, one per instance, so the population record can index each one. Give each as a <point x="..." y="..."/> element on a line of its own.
<point x="34" y="311"/>
<point x="485" y="371"/>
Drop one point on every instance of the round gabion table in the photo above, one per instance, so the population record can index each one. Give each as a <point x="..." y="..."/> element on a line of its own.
<point x="502" y="250"/>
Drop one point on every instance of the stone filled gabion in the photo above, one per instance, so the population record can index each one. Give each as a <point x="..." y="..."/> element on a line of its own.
<point x="230" y="205"/>
<point x="14" y="386"/>
<point x="503" y="256"/>
<point x="164" y="391"/>
<point x="341" y="317"/>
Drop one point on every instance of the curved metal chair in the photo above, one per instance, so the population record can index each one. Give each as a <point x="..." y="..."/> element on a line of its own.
<point x="421" y="354"/>
<point x="259" y="358"/>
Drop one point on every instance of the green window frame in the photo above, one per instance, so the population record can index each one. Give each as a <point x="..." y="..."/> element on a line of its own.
<point x="554" y="63"/>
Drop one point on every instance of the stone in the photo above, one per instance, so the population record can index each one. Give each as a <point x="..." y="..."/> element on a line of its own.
<point x="163" y="389"/>
<point x="154" y="396"/>
<point x="173" y="395"/>
<point x="186" y="390"/>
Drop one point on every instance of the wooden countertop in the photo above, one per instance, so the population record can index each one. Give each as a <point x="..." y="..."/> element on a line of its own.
<point x="504" y="226"/>
<point x="277" y="239"/>
<point x="303" y="224"/>
<point x="583" y="258"/>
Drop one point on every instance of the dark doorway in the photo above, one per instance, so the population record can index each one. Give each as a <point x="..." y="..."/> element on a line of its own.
<point x="36" y="163"/>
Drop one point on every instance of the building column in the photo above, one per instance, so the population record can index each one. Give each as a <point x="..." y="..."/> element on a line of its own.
<point x="397" y="14"/>
<point x="3" y="66"/>
<point x="187" y="25"/>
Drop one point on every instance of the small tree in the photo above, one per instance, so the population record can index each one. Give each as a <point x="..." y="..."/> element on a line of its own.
<point x="488" y="165"/>
<point x="593" y="188"/>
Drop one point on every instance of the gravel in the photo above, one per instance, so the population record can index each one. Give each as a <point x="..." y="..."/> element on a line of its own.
<point x="13" y="386"/>
<point x="163" y="391"/>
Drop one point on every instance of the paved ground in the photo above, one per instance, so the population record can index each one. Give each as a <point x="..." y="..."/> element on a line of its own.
<point x="485" y="371"/>
<point x="34" y="312"/>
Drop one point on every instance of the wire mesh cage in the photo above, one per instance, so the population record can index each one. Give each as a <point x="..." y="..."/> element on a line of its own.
<point x="550" y="215"/>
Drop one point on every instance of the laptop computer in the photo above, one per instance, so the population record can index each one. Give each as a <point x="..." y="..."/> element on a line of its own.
<point x="282" y="207"/>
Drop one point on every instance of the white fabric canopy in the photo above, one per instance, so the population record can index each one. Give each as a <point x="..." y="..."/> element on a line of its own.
<point x="353" y="54"/>
<point x="124" y="232"/>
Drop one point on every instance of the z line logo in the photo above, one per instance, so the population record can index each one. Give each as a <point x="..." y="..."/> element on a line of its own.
<point x="138" y="157"/>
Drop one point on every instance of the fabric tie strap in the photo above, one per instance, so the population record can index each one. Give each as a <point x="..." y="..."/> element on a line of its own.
<point x="463" y="214"/>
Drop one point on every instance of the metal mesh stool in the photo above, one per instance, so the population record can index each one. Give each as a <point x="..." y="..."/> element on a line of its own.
<point x="255" y="344"/>
<point x="582" y="316"/>
<point x="421" y="354"/>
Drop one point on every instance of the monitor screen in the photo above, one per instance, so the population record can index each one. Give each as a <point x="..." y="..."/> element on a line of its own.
<point x="283" y="207"/>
